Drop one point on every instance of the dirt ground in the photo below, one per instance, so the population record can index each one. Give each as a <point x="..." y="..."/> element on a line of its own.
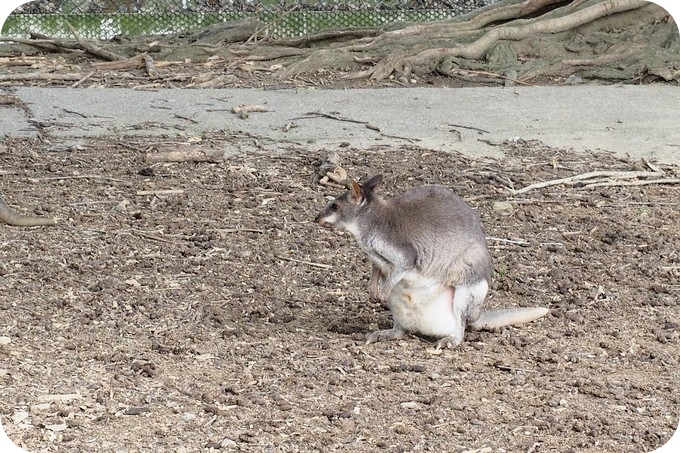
<point x="193" y="306"/>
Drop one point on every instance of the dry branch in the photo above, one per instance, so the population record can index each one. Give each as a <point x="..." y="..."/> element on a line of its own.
<point x="187" y="155"/>
<point x="308" y="263"/>
<point x="93" y="49"/>
<point x="338" y="118"/>
<point x="484" y="131"/>
<point x="643" y="182"/>
<point x="52" y="45"/>
<point x="37" y="76"/>
<point x="476" y="50"/>
<point x="160" y="192"/>
<point x="128" y="63"/>
<point x="243" y="110"/>
<point x="79" y="82"/>
<point x="584" y="177"/>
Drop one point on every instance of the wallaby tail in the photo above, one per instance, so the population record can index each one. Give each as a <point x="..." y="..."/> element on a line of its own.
<point x="8" y="216"/>
<point x="498" y="318"/>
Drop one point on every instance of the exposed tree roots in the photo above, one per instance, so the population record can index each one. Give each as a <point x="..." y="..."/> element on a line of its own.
<point x="519" y="40"/>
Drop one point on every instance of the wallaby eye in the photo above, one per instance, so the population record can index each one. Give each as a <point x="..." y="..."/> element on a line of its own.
<point x="335" y="207"/>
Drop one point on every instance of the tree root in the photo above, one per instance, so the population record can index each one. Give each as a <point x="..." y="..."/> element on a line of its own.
<point x="479" y="48"/>
<point x="514" y="40"/>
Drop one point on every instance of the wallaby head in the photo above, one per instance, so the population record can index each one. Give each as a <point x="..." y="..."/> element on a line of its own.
<point x="344" y="210"/>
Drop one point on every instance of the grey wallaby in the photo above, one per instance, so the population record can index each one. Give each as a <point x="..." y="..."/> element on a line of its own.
<point x="430" y="261"/>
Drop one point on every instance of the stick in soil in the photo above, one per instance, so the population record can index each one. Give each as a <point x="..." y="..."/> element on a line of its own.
<point x="80" y="81"/>
<point x="308" y="263"/>
<point x="152" y="237"/>
<point x="511" y="368"/>
<point x="33" y="76"/>
<point x="332" y="117"/>
<point x="469" y="127"/>
<point x="643" y="182"/>
<point x="590" y="175"/>
<point x="160" y="192"/>
<point x="96" y="177"/>
<point x="186" y="155"/>
<point x="507" y="241"/>
<point x="239" y="230"/>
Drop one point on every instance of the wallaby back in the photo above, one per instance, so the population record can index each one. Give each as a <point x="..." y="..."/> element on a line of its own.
<point x="434" y="228"/>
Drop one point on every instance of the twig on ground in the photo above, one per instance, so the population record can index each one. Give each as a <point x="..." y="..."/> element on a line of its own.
<point x="330" y="116"/>
<point x="490" y="142"/>
<point x="511" y="368"/>
<point x="103" y="178"/>
<point x="651" y="165"/>
<point x="243" y="111"/>
<point x="144" y="234"/>
<point x="160" y="192"/>
<point x="308" y="263"/>
<point x="642" y="182"/>
<point x="80" y="81"/>
<point x="33" y="76"/>
<point x="186" y="118"/>
<point x="469" y="127"/>
<point x="410" y="140"/>
<point x="591" y="175"/>
<point x="239" y="230"/>
<point x="190" y="154"/>
<point x="368" y="125"/>
<point x="508" y="241"/>
<point x="73" y="112"/>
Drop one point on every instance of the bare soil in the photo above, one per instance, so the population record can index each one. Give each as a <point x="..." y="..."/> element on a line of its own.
<point x="219" y="316"/>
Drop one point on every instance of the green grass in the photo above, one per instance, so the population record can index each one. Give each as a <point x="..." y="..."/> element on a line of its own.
<point x="298" y="23"/>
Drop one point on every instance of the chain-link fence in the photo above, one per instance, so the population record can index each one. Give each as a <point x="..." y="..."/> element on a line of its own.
<point x="105" y="19"/>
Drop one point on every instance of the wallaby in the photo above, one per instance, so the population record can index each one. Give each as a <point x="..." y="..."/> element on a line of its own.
<point x="8" y="216"/>
<point x="430" y="261"/>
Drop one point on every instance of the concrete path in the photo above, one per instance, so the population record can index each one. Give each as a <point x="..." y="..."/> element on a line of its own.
<point x="628" y="120"/>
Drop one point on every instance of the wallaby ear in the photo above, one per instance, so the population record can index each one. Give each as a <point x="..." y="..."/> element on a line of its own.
<point x="372" y="184"/>
<point x="355" y="194"/>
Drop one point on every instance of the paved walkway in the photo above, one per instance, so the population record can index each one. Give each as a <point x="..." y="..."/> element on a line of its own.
<point x="640" y="121"/>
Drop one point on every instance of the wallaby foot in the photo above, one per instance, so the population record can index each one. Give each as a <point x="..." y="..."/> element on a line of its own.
<point x="394" y="333"/>
<point x="449" y="342"/>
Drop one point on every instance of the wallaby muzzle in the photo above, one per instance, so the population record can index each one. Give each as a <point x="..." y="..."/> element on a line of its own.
<point x="319" y="219"/>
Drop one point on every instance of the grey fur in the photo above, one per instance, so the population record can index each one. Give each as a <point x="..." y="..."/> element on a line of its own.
<point x="431" y="235"/>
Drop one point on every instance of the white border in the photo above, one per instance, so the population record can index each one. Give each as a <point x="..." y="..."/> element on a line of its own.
<point x="7" y="6"/>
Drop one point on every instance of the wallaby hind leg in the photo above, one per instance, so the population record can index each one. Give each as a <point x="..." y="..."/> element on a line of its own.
<point x="467" y="304"/>
<point x="394" y="333"/>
